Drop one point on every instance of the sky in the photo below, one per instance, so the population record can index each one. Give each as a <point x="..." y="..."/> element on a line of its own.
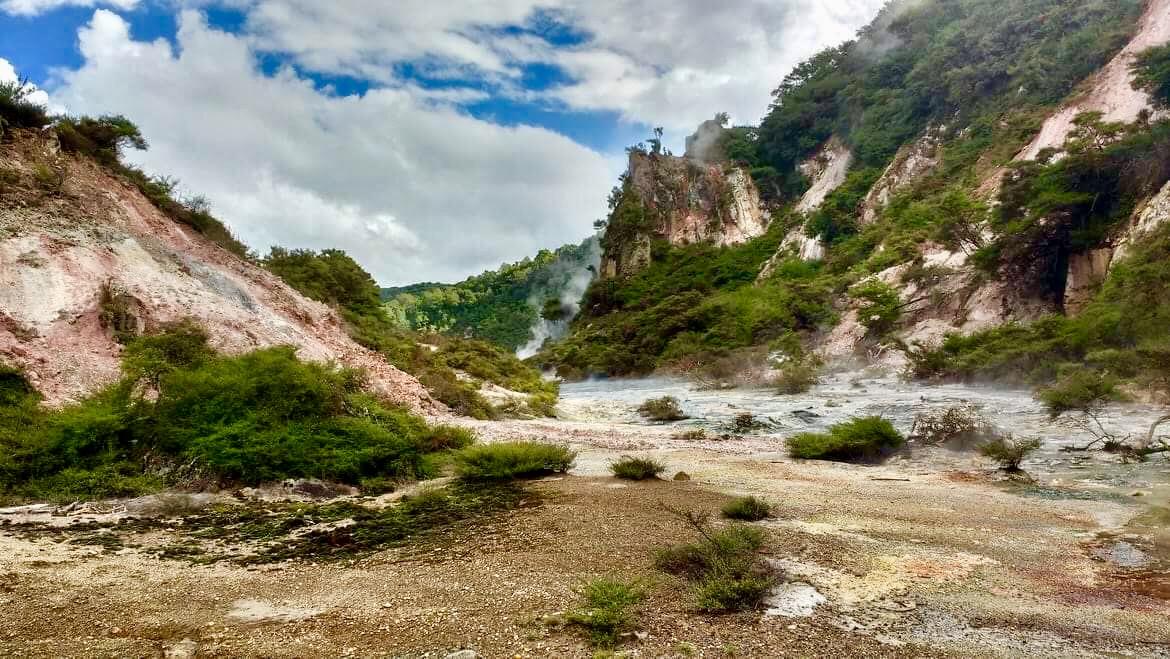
<point x="430" y="139"/>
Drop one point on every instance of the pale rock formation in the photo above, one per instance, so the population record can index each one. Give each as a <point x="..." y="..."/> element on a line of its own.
<point x="686" y="202"/>
<point x="910" y="163"/>
<point x="826" y="172"/>
<point x="1110" y="91"/>
<point x="57" y="254"/>
<point x="1153" y="214"/>
<point x="1086" y="273"/>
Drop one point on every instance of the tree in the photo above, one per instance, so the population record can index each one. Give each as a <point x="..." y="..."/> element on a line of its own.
<point x="1152" y="73"/>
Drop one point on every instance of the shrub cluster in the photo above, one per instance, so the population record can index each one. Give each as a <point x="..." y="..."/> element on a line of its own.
<point x="868" y="439"/>
<point x="958" y="428"/>
<point x="748" y="509"/>
<point x="512" y="460"/>
<point x="637" y="469"/>
<point x="724" y="567"/>
<point x="605" y="614"/>
<point x="1009" y="452"/>
<point x="662" y="410"/>
<point x="17" y="110"/>
<point x="182" y="412"/>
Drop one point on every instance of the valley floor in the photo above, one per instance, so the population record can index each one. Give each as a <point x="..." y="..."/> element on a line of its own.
<point x="908" y="563"/>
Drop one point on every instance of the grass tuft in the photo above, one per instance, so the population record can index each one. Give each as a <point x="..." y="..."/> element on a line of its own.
<point x="868" y="439"/>
<point x="748" y="509"/>
<point x="606" y="614"/>
<point x="662" y="410"/>
<point x="637" y="469"/>
<point x="512" y="460"/>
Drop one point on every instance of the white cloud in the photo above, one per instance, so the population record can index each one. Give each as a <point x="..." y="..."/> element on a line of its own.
<point x="411" y="187"/>
<point x="659" y="62"/>
<point x="38" y="96"/>
<point x="36" y="7"/>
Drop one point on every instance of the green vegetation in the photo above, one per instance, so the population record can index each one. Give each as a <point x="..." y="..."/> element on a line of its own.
<point x="636" y="469"/>
<point x="1008" y="452"/>
<point x="956" y="428"/>
<point x="17" y="111"/>
<point x="500" y="306"/>
<point x="1081" y="389"/>
<point x="868" y="439"/>
<point x="605" y="614"/>
<point x="1152" y="73"/>
<point x="184" y="414"/>
<point x="105" y="138"/>
<point x="748" y="509"/>
<point x="333" y="277"/>
<point x="723" y="566"/>
<point x="662" y="410"/>
<point x="512" y="460"/>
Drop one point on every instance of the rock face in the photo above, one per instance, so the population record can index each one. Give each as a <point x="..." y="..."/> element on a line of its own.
<point x="1110" y="91"/>
<point x="64" y="258"/>
<point x="912" y="162"/>
<point x="826" y="171"/>
<point x="684" y="201"/>
<point x="1149" y="217"/>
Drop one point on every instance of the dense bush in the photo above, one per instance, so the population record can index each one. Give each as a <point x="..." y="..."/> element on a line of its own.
<point x="605" y="614"/>
<point x="663" y="410"/>
<point x="748" y="509"/>
<point x="1010" y="453"/>
<point x="183" y="412"/>
<point x="102" y="138"/>
<point x="1080" y="390"/>
<point x="512" y="460"/>
<point x="723" y="566"/>
<point x="636" y="469"/>
<point x="868" y="439"/>
<point x="17" y="111"/>
<point x="1152" y="73"/>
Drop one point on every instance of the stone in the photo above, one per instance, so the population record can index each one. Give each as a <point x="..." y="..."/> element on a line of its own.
<point x="682" y="476"/>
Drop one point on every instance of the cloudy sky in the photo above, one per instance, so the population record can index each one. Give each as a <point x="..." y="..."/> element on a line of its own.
<point x="431" y="139"/>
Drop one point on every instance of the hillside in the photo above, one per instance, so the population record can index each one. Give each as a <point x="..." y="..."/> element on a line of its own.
<point x="961" y="166"/>
<point x="87" y="261"/>
<point x="504" y="306"/>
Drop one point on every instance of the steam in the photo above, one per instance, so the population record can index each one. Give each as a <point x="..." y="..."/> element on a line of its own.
<point x="577" y="275"/>
<point x="704" y="146"/>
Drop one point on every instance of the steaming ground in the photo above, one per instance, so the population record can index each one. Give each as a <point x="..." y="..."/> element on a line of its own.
<point x="570" y="297"/>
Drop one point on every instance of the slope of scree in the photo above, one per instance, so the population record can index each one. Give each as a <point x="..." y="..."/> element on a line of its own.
<point x="91" y="257"/>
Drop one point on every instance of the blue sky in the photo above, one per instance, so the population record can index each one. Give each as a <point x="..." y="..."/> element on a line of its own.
<point x="432" y="140"/>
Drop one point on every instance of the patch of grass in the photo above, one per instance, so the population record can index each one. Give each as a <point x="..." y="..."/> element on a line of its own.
<point x="606" y="612"/>
<point x="50" y="179"/>
<point x="748" y="509"/>
<point x="512" y="460"/>
<point x="724" y="566"/>
<point x="1009" y="452"/>
<point x="868" y="439"/>
<point x="636" y="469"/>
<point x="662" y="410"/>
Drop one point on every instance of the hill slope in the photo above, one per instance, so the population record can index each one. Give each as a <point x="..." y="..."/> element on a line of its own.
<point x="85" y="257"/>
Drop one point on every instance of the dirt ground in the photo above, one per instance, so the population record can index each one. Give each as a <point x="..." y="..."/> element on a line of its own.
<point x="946" y="564"/>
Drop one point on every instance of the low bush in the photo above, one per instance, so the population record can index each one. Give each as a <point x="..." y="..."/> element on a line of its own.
<point x="958" y="428"/>
<point x="181" y="409"/>
<point x="724" y="566"/>
<point x="606" y="612"/>
<point x="637" y="469"/>
<point x="512" y="460"/>
<point x="662" y="410"/>
<point x="748" y="509"/>
<point x="1081" y="390"/>
<point x="868" y="439"/>
<point x="17" y="111"/>
<point x="1009" y="452"/>
<point x="796" y="376"/>
<point x="697" y="435"/>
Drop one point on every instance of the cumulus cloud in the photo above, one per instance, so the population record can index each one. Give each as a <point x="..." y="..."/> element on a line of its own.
<point x="658" y="62"/>
<point x="35" y="7"/>
<point x="8" y="74"/>
<point x="409" y="185"/>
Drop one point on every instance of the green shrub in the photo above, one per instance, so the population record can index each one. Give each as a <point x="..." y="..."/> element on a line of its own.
<point x="724" y="566"/>
<point x="17" y="111"/>
<point x="1152" y="73"/>
<point x="605" y="614"/>
<point x="868" y="439"/>
<point x="511" y="460"/>
<point x="102" y="138"/>
<point x="636" y="469"/>
<point x="1010" y="453"/>
<point x="748" y="509"/>
<point x="797" y="376"/>
<point x="662" y="410"/>
<point x="1082" y="390"/>
<point x="724" y="592"/>
<point x="879" y="307"/>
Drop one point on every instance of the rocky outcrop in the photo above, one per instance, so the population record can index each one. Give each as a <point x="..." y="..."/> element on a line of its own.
<point x="682" y="201"/>
<point x="1086" y="272"/>
<point x="826" y="171"/>
<point x="912" y="162"/>
<point x="1110" y="91"/>
<point x="1151" y="215"/>
<point x="76" y="267"/>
